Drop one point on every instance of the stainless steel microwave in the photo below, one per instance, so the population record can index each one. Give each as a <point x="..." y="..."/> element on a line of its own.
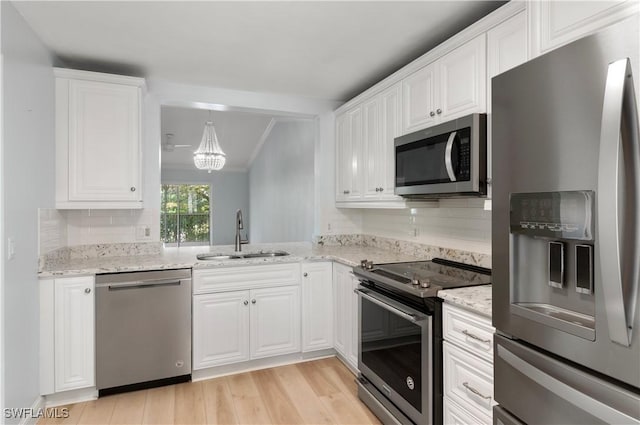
<point x="447" y="160"/>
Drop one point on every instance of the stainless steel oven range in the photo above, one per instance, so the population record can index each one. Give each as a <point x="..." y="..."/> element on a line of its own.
<point x="400" y="335"/>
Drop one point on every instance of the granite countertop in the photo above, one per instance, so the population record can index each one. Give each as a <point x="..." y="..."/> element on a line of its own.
<point x="475" y="298"/>
<point x="185" y="257"/>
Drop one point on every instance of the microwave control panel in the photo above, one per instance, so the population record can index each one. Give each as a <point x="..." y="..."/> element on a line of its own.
<point x="555" y="215"/>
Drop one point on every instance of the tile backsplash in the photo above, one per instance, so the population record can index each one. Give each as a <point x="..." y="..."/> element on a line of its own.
<point x="60" y="228"/>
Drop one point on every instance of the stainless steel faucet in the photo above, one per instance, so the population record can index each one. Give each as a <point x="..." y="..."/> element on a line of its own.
<point x="239" y="226"/>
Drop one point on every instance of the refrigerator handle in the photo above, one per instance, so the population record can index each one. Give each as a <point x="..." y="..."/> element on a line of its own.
<point x="447" y="157"/>
<point x="618" y="248"/>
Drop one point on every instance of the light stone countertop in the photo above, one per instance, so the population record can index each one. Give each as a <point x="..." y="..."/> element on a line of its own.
<point x="185" y="257"/>
<point x="475" y="298"/>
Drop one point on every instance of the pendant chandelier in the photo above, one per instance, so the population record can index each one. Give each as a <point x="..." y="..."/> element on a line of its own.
<point x="209" y="155"/>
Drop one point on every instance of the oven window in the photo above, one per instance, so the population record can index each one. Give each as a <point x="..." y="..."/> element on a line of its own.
<point x="391" y="348"/>
<point x="423" y="162"/>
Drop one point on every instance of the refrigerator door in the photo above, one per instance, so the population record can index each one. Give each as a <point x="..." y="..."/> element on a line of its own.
<point x="563" y="123"/>
<point x="554" y="392"/>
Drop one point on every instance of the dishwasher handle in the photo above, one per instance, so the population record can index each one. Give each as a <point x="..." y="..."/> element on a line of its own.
<point x="136" y="284"/>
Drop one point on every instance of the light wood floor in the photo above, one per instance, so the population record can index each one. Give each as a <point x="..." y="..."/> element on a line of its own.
<point x="316" y="392"/>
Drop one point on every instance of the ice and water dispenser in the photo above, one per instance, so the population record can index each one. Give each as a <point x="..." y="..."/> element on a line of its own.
<point x="552" y="259"/>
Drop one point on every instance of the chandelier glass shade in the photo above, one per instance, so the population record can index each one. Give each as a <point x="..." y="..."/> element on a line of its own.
<point x="209" y="156"/>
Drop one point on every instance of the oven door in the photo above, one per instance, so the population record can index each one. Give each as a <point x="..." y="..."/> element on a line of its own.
<point x="395" y="352"/>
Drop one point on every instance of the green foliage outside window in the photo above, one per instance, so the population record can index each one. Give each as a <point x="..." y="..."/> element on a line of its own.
<point x="184" y="214"/>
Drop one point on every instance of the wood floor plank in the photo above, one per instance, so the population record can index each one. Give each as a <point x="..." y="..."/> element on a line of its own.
<point x="249" y="405"/>
<point x="74" y="412"/>
<point x="190" y="408"/>
<point x="218" y="402"/>
<point x="98" y="411"/>
<point x="316" y="379"/>
<point x="281" y="408"/>
<point x="159" y="407"/>
<point x="129" y="408"/>
<point x="312" y="410"/>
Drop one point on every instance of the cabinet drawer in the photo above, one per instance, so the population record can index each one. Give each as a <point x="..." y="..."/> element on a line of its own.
<point x="456" y="415"/>
<point x="247" y="277"/>
<point x="468" y="330"/>
<point x="468" y="381"/>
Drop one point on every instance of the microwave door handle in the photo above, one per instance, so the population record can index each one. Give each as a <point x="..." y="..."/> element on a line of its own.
<point x="447" y="157"/>
<point x="618" y="265"/>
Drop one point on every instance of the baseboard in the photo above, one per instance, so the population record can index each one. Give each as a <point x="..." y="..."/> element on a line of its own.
<point x="30" y="416"/>
<point x="287" y="359"/>
<point x="70" y="397"/>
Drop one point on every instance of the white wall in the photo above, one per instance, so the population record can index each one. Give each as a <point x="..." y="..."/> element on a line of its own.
<point x="281" y="184"/>
<point x="28" y="138"/>
<point x="229" y="192"/>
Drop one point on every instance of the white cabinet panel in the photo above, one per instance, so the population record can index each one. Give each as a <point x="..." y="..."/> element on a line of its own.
<point x="275" y="321"/>
<point x="317" y="306"/>
<point x="98" y="140"/>
<point x="372" y="148"/>
<point x="247" y="277"/>
<point x="468" y="330"/>
<point x="74" y="352"/>
<point x="507" y="47"/>
<point x="349" y="168"/>
<point x="419" y="94"/>
<point x="220" y="329"/>
<point x="455" y="415"/>
<point x="462" y="80"/>
<point x="561" y="22"/>
<point x="346" y="314"/>
<point x="390" y="128"/>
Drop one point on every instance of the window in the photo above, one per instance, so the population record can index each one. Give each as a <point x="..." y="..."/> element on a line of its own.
<point x="184" y="214"/>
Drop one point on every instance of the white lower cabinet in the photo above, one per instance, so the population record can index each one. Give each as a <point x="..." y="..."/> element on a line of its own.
<point x="67" y="335"/>
<point x="260" y="319"/>
<point x="467" y="367"/>
<point x="317" y="306"/>
<point x="345" y="314"/>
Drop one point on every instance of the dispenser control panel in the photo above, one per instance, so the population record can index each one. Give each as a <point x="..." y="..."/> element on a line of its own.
<point x="556" y="215"/>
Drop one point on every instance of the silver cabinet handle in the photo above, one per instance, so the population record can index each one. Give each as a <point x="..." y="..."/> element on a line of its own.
<point x="253" y="301"/>
<point x="476" y="392"/>
<point x="246" y="302"/>
<point x="432" y="114"/>
<point x="447" y="156"/>
<point x="477" y="338"/>
<point x="305" y="274"/>
<point x="133" y="189"/>
<point x="140" y="284"/>
<point x="87" y="290"/>
<point x="619" y="109"/>
<point x="439" y="111"/>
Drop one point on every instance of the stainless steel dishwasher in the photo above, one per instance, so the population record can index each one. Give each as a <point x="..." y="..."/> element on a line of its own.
<point x="143" y="329"/>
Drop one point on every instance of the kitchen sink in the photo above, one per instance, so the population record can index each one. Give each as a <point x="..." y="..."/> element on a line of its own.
<point x="259" y="254"/>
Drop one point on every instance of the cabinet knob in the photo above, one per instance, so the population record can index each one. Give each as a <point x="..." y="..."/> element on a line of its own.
<point x="253" y="301"/>
<point x="246" y="302"/>
<point x="344" y="192"/>
<point x="432" y="114"/>
<point x="133" y="189"/>
<point x="381" y="189"/>
<point x="305" y="274"/>
<point x="87" y="290"/>
<point x="439" y="111"/>
<point x="347" y="192"/>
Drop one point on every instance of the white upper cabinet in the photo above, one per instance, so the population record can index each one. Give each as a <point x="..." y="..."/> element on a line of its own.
<point x="98" y="140"/>
<point x="450" y="87"/>
<point x="349" y="155"/>
<point x="390" y="128"/>
<point x="556" y="23"/>
<point x="462" y="75"/>
<point x="420" y="99"/>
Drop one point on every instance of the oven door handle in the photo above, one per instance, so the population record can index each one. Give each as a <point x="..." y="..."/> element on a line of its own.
<point x="415" y="318"/>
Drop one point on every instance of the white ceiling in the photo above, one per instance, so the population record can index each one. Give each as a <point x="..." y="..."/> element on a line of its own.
<point x="240" y="135"/>
<point x="328" y="50"/>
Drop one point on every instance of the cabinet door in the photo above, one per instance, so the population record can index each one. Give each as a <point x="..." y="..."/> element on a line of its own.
<point x="220" y="329"/>
<point x="74" y="330"/>
<point x="275" y="321"/>
<point x="372" y="149"/>
<point x="462" y="80"/>
<point x="419" y="98"/>
<point x="390" y="128"/>
<point x="104" y="142"/>
<point x="352" y="352"/>
<point x="561" y="22"/>
<point x="343" y="157"/>
<point x="506" y="48"/>
<point x="355" y="165"/>
<point x="342" y="320"/>
<point x="317" y="306"/>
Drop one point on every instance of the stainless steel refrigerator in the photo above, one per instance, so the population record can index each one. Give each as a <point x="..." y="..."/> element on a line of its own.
<point x="566" y="233"/>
